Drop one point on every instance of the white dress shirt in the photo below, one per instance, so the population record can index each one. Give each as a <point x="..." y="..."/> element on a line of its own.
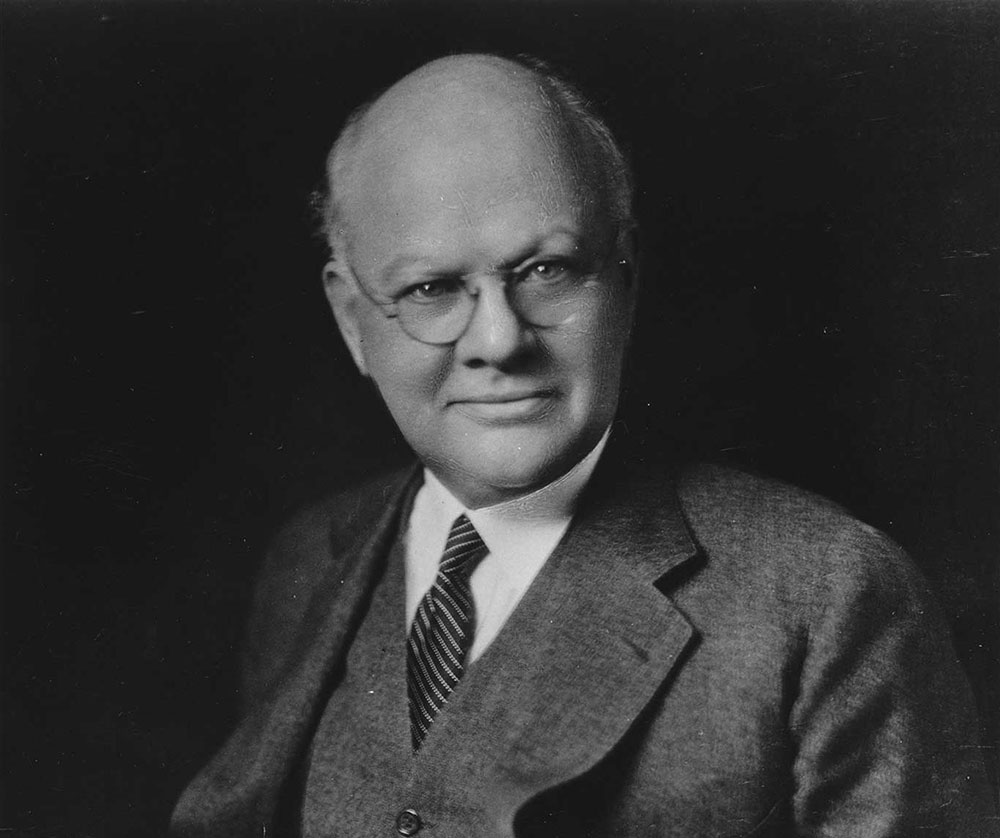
<point x="520" y="534"/>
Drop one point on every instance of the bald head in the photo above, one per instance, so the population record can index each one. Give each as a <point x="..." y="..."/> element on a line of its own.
<point x="466" y="117"/>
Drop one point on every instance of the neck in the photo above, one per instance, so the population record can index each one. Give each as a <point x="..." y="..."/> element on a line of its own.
<point x="567" y="482"/>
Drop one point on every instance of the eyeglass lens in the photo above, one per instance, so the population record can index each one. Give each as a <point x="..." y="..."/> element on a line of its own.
<point x="443" y="318"/>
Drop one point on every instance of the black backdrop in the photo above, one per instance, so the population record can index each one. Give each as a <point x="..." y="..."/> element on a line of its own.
<point x="820" y="197"/>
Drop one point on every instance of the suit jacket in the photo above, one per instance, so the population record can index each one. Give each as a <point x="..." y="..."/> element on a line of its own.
<point x="704" y="654"/>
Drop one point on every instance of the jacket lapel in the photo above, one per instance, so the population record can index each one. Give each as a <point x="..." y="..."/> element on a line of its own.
<point x="589" y="646"/>
<point x="237" y="793"/>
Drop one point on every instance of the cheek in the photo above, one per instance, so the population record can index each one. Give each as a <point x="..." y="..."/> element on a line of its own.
<point x="593" y="355"/>
<point x="407" y="373"/>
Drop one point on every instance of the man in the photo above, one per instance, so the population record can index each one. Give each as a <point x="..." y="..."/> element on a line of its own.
<point x="532" y="633"/>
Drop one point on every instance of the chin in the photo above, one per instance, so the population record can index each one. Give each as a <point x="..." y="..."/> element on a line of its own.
<point x="493" y="473"/>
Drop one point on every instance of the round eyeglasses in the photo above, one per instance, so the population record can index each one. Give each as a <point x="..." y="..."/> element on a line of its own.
<point x="546" y="293"/>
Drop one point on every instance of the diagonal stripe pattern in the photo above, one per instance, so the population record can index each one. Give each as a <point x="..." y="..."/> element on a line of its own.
<point x="442" y="629"/>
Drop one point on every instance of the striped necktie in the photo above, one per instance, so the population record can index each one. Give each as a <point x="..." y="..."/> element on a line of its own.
<point x="442" y="629"/>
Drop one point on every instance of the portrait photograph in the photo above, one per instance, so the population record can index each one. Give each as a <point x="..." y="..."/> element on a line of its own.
<point x="480" y="419"/>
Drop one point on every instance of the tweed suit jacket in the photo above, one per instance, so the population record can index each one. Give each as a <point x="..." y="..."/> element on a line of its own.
<point x="706" y="653"/>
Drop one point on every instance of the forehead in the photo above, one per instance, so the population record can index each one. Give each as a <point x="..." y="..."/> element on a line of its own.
<point x="472" y="177"/>
<point x="450" y="164"/>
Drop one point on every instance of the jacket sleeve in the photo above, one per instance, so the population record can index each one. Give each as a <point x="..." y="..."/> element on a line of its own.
<point x="887" y="740"/>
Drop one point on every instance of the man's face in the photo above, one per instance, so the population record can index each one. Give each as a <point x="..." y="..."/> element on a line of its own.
<point x="506" y="407"/>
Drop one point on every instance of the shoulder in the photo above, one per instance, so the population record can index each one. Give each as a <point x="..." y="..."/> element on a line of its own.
<point x="791" y="545"/>
<point x="737" y="504"/>
<point x="311" y="552"/>
<point x="320" y="531"/>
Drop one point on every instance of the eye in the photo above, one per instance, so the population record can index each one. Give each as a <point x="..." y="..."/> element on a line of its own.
<point x="549" y="271"/>
<point x="431" y="291"/>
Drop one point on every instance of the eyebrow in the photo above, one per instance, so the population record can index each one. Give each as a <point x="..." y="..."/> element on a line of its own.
<point x="402" y="262"/>
<point x="560" y="234"/>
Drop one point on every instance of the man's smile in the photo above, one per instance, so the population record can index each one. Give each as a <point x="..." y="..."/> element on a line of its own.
<point x="506" y="408"/>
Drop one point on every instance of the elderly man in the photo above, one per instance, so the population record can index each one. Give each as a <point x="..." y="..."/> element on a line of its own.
<point x="531" y="633"/>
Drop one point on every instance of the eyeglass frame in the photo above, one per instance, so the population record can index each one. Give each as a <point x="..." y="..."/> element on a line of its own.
<point x="511" y="276"/>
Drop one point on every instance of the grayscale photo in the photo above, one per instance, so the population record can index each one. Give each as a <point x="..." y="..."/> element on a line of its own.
<point x="501" y="419"/>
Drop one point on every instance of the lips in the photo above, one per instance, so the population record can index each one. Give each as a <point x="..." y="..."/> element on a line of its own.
<point x="505" y="408"/>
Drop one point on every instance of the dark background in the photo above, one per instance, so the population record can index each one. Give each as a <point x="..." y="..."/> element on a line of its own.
<point x="819" y="187"/>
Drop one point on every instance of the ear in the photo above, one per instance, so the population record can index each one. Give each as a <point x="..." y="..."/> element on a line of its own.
<point x="342" y="293"/>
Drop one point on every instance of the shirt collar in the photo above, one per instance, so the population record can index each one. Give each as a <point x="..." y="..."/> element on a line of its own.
<point x="506" y="526"/>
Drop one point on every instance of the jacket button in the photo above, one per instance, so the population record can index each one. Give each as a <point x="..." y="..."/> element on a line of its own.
<point x="408" y="822"/>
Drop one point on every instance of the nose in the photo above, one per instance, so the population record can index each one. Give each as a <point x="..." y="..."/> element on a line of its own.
<point x="496" y="335"/>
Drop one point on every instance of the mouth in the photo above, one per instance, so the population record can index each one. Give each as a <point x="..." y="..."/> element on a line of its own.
<point x="506" y="408"/>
